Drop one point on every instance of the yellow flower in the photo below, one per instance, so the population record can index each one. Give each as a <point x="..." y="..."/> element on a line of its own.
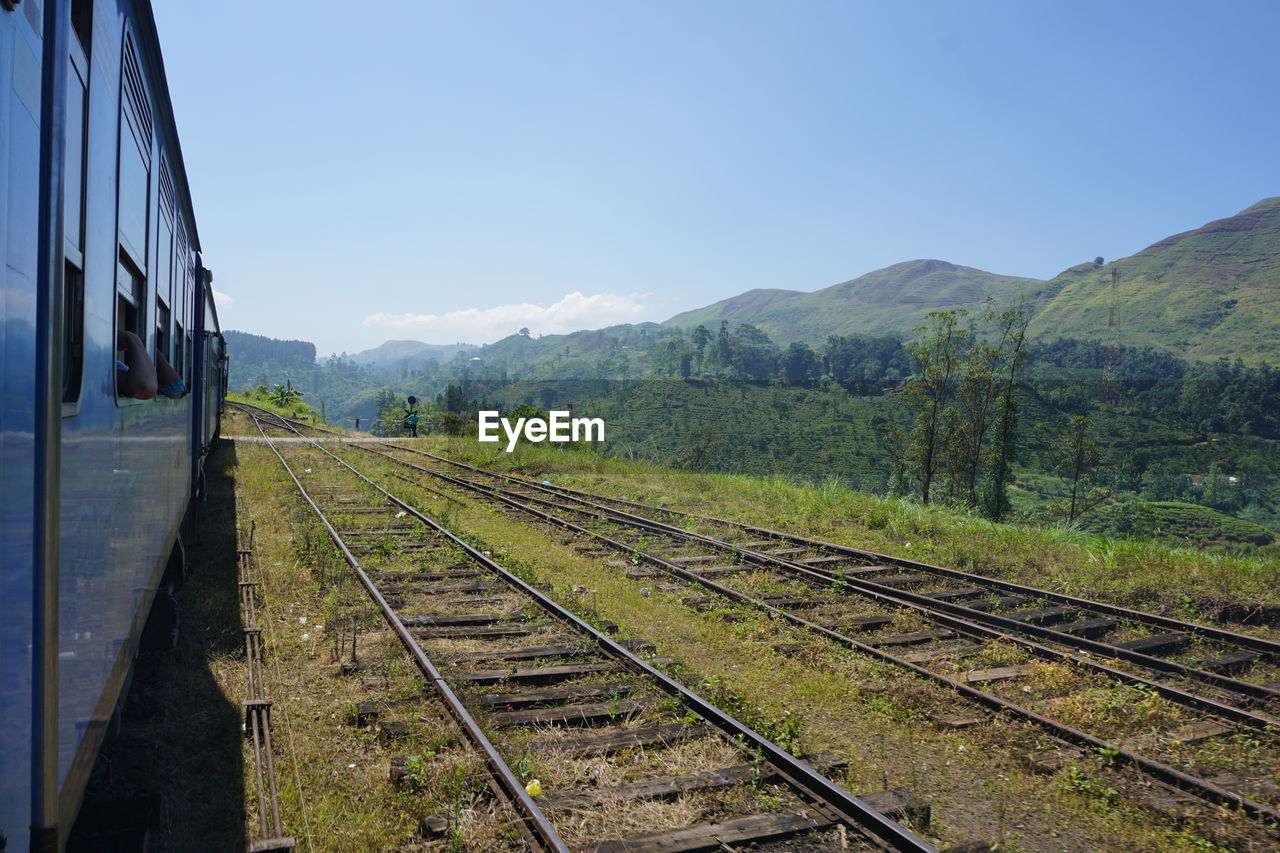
<point x="534" y="788"/>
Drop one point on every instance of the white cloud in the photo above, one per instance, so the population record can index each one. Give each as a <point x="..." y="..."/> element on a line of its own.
<point x="221" y="299"/>
<point x="485" y="325"/>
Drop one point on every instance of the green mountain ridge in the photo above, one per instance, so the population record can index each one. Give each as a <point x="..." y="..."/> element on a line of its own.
<point x="392" y="352"/>
<point x="733" y="308"/>
<point x="1207" y="293"/>
<point x="892" y="300"/>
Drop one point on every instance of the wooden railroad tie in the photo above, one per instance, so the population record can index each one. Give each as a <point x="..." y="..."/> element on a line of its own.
<point x="951" y="595"/>
<point x="897" y="581"/>
<point x="939" y="654"/>
<point x="608" y="743"/>
<point x="586" y="714"/>
<point x="1230" y="663"/>
<point x="1157" y="644"/>
<point x="999" y="673"/>
<point x="528" y="698"/>
<point x="911" y="638"/>
<point x="673" y="786"/>
<point x="1088" y="628"/>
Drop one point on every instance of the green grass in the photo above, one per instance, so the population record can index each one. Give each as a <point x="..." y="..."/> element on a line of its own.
<point x="298" y="410"/>
<point x="1150" y="574"/>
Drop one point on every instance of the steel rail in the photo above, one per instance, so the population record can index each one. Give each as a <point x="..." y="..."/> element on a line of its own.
<point x="799" y="774"/>
<point x="1222" y="682"/>
<point x="899" y="598"/>
<point x="1258" y="644"/>
<point x="1202" y="788"/>
<point x="531" y="813"/>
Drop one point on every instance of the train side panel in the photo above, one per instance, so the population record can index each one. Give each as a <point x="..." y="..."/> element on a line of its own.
<point x="20" y="88"/>
<point x="126" y="473"/>
<point x="130" y="261"/>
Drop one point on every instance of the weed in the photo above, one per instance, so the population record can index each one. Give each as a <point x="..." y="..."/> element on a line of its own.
<point x="416" y="778"/>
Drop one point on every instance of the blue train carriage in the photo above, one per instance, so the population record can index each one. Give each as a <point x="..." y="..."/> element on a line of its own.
<point x="97" y="236"/>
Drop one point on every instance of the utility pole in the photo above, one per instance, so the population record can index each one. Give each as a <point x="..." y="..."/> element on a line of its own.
<point x="1111" y="352"/>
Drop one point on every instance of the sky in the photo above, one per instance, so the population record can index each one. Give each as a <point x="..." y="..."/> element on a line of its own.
<point x="453" y="172"/>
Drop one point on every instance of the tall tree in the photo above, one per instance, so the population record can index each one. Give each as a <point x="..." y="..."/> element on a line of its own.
<point x="1077" y="463"/>
<point x="1011" y="326"/>
<point x="936" y="356"/>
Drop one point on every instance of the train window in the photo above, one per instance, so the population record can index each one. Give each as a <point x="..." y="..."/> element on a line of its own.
<point x="162" y="331"/>
<point x="73" y="175"/>
<point x="179" y="351"/>
<point x="135" y="158"/>
<point x="131" y="289"/>
<point x="72" y="337"/>
<point x="82" y="21"/>
<point x="73" y="226"/>
<point x="164" y="243"/>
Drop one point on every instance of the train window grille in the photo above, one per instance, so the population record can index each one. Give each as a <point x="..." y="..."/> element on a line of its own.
<point x="180" y="344"/>
<point x="77" y="151"/>
<point x="182" y="267"/>
<point x="74" y="216"/>
<point x="72" y="337"/>
<point x="162" y="331"/>
<point x="135" y="158"/>
<point x="164" y="268"/>
<point x="130" y="292"/>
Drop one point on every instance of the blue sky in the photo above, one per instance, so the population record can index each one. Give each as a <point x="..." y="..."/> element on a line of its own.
<point x="455" y="171"/>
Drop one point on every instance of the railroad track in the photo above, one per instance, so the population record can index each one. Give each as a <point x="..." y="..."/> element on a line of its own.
<point x="541" y="692"/>
<point x="1053" y="651"/>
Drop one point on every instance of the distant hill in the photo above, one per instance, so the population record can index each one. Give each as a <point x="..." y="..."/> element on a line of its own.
<point x="1210" y="292"/>
<point x="393" y="352"/>
<point x="1202" y="294"/>
<point x="734" y="309"/>
<point x="259" y="349"/>
<point x="887" y="301"/>
<point x="616" y="351"/>
<point x="256" y="358"/>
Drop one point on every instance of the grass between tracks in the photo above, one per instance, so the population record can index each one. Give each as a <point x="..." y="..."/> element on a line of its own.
<point x="821" y="699"/>
<point x="1181" y="582"/>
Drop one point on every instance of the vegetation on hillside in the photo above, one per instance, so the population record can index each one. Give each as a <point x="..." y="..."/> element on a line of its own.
<point x="889" y="301"/>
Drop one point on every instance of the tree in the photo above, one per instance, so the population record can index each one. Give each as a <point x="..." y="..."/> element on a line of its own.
<point x="390" y="408"/>
<point x="1216" y="490"/>
<point x="935" y="353"/>
<point x="1076" y="463"/>
<point x="800" y="363"/>
<point x="1012" y="326"/>
<point x="701" y="337"/>
<point x="285" y="394"/>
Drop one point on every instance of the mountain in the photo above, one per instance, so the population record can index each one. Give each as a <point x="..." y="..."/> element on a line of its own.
<point x="1203" y="294"/>
<point x="391" y="353"/>
<point x="259" y="349"/>
<point x="887" y="301"/>
<point x="1210" y="292"/>
<point x="619" y="351"/>
<point x="734" y="308"/>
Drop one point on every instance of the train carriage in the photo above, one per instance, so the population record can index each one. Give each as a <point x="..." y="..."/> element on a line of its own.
<point x="99" y="237"/>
